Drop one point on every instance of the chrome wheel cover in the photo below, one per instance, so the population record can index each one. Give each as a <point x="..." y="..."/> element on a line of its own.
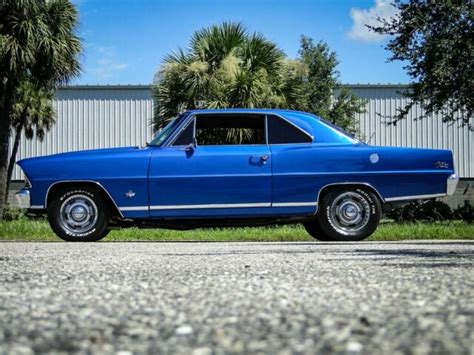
<point x="349" y="212"/>
<point x="78" y="214"/>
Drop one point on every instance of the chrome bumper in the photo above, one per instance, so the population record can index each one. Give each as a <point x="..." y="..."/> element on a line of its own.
<point x="23" y="198"/>
<point x="451" y="183"/>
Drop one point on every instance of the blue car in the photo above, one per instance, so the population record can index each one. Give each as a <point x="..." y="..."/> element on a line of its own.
<point x="238" y="167"/>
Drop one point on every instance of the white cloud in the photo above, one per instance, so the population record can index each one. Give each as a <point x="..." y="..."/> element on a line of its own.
<point x="381" y="9"/>
<point x="107" y="65"/>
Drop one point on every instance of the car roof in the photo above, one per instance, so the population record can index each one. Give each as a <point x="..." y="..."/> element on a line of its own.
<point x="252" y="110"/>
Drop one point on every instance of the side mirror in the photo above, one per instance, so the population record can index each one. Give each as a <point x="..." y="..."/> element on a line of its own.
<point x="191" y="146"/>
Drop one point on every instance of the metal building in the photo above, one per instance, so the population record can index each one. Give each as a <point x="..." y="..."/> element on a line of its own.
<point x="383" y="101"/>
<point x="111" y="116"/>
<point x="91" y="117"/>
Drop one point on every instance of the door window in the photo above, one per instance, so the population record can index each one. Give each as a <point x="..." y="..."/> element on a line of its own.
<point x="230" y="129"/>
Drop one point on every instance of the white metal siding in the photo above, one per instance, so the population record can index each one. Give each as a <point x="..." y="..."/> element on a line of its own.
<point x="94" y="117"/>
<point x="384" y="100"/>
<point x="100" y="116"/>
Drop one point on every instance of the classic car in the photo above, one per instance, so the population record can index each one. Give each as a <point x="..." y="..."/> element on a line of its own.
<point x="234" y="167"/>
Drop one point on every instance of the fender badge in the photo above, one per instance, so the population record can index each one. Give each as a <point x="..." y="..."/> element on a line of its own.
<point x="374" y="158"/>
<point x="441" y="165"/>
<point x="130" y="194"/>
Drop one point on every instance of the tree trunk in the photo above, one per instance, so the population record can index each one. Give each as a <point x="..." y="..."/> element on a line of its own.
<point x="4" y="142"/>
<point x="12" y="161"/>
<point x="6" y="89"/>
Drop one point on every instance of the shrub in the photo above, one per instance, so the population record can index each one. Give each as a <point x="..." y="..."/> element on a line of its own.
<point x="11" y="213"/>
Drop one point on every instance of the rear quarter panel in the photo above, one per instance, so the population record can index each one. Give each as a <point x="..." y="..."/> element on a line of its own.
<point x="301" y="171"/>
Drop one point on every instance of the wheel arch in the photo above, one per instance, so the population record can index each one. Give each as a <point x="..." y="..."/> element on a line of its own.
<point x="57" y="186"/>
<point x="326" y="188"/>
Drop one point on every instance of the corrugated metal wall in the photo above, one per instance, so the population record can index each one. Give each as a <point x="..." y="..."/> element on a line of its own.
<point x="94" y="117"/>
<point x="384" y="100"/>
<point x="112" y="116"/>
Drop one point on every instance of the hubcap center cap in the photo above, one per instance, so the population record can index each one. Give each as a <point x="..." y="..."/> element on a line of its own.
<point x="350" y="212"/>
<point x="78" y="213"/>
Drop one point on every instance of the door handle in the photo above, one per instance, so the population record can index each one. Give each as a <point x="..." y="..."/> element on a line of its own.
<point x="259" y="158"/>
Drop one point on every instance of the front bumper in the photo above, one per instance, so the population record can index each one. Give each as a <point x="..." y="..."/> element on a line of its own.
<point x="451" y="183"/>
<point x="23" y="198"/>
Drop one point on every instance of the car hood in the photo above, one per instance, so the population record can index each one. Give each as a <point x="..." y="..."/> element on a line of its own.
<point x="80" y="154"/>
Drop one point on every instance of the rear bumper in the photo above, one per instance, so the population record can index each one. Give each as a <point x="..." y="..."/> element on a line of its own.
<point x="451" y="184"/>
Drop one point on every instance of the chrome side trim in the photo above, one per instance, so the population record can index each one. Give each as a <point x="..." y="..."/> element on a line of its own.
<point x="218" y="205"/>
<point x="350" y="183"/>
<point x="294" y="204"/>
<point x="134" y="208"/>
<point x="36" y="207"/>
<point x="413" y="197"/>
<point x="79" y="181"/>
<point x="212" y="205"/>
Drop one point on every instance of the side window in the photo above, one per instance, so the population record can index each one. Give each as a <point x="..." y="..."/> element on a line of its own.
<point x="230" y="129"/>
<point x="186" y="135"/>
<point x="281" y="132"/>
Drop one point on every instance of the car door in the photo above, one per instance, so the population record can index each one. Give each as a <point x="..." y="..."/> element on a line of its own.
<point x="226" y="172"/>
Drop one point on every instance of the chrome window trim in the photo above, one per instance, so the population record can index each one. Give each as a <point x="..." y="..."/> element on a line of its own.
<point x="194" y="115"/>
<point x="181" y="130"/>
<point x="266" y="130"/>
<point x="176" y="131"/>
<point x="234" y="145"/>
<point x="79" y="181"/>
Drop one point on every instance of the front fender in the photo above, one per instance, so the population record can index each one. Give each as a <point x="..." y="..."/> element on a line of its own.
<point x="118" y="171"/>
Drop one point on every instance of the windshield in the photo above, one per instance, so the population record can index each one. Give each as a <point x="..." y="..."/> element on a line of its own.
<point x="163" y="134"/>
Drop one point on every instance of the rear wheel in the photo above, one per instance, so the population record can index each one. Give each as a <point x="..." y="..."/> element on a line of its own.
<point x="79" y="215"/>
<point x="345" y="214"/>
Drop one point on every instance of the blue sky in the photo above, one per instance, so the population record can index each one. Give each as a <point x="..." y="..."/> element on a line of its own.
<point x="125" y="41"/>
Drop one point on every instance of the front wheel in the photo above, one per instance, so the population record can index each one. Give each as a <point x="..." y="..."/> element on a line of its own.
<point x="346" y="214"/>
<point x="79" y="215"/>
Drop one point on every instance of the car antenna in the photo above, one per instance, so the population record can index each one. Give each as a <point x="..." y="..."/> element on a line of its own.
<point x="370" y="139"/>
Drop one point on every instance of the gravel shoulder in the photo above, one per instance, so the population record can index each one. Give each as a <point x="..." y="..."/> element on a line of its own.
<point x="206" y="298"/>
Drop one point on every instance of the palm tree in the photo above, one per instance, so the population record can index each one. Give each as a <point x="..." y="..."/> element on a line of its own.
<point x="224" y="66"/>
<point x="38" y="42"/>
<point x="32" y="114"/>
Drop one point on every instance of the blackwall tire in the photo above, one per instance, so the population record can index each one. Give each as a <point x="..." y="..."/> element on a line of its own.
<point x="79" y="215"/>
<point x="345" y="215"/>
<point x="314" y="229"/>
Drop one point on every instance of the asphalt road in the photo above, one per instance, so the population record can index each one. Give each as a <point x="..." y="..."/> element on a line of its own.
<point x="206" y="298"/>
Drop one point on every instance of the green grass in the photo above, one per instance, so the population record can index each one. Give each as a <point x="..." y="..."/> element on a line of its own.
<point x="39" y="230"/>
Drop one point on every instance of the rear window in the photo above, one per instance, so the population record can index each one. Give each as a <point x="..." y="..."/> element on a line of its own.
<point x="282" y="132"/>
